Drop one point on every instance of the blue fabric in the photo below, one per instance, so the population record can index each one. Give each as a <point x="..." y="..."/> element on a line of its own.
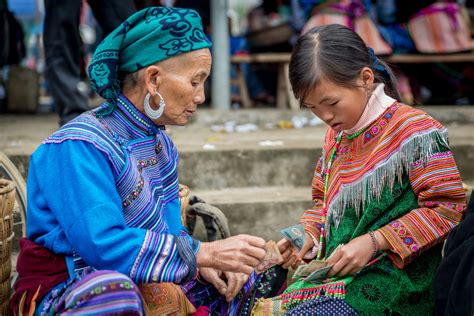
<point x="324" y="307"/>
<point x="104" y="192"/>
<point x="72" y="200"/>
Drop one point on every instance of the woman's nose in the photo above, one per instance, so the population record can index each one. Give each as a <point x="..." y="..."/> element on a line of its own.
<point x="200" y="97"/>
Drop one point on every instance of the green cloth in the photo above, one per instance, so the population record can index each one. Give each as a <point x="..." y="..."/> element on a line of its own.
<point x="145" y="38"/>
<point x="382" y="288"/>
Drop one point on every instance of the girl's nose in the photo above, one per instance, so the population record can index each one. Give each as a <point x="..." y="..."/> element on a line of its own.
<point x="327" y="116"/>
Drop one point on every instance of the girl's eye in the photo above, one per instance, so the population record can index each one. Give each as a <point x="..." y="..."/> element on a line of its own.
<point x="334" y="103"/>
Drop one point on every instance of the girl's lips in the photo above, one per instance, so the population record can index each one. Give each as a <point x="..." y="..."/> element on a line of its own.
<point x="336" y="126"/>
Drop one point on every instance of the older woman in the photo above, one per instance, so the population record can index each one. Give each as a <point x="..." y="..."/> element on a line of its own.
<point x="103" y="209"/>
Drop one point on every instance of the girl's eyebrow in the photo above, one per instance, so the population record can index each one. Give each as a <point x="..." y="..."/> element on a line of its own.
<point x="327" y="98"/>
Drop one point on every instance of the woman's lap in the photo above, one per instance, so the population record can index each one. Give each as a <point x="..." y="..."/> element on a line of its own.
<point x="94" y="293"/>
<point x="108" y="292"/>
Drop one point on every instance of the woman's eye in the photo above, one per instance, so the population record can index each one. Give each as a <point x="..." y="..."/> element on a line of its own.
<point x="195" y="83"/>
<point x="334" y="103"/>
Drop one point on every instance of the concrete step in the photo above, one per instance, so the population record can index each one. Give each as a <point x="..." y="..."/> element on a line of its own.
<point x="271" y="167"/>
<point x="260" y="211"/>
<point x="265" y="167"/>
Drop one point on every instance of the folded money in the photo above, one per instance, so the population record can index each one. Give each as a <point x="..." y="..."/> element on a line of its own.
<point x="306" y="269"/>
<point x="295" y="234"/>
<point x="272" y="257"/>
<point x="319" y="274"/>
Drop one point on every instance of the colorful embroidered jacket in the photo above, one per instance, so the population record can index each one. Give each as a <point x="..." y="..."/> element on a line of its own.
<point x="398" y="177"/>
<point x="104" y="192"/>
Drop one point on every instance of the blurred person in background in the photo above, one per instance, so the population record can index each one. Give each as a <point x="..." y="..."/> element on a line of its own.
<point x="63" y="49"/>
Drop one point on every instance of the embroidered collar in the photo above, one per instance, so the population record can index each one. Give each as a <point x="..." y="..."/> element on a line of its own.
<point x="134" y="119"/>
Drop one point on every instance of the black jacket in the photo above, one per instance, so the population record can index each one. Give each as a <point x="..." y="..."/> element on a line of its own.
<point x="454" y="281"/>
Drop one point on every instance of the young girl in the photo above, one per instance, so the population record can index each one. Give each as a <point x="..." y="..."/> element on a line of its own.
<point x="386" y="189"/>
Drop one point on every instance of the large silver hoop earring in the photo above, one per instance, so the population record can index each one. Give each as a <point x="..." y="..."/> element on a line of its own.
<point x="154" y="114"/>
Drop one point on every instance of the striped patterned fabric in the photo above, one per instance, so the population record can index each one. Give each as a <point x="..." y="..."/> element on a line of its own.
<point x="351" y="14"/>
<point x="95" y="293"/>
<point x="440" y="28"/>
<point x="404" y="144"/>
<point x="144" y="161"/>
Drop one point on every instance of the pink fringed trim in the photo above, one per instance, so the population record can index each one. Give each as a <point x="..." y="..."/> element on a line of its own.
<point x="333" y="290"/>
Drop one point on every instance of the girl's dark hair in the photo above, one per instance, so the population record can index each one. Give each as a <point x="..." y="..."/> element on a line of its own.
<point x="337" y="53"/>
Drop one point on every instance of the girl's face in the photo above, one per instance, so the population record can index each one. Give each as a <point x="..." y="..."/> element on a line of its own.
<point x="339" y="106"/>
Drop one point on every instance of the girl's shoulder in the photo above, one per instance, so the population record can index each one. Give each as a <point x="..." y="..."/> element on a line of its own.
<point x="407" y="121"/>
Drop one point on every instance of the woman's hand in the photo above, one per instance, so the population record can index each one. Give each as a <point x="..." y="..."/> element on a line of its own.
<point x="288" y="252"/>
<point x="240" y="253"/>
<point x="213" y="276"/>
<point x="235" y="281"/>
<point x="352" y="257"/>
<point x="228" y="284"/>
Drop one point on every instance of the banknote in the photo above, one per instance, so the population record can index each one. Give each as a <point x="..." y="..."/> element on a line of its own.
<point x="319" y="274"/>
<point x="295" y="234"/>
<point x="306" y="269"/>
<point x="272" y="257"/>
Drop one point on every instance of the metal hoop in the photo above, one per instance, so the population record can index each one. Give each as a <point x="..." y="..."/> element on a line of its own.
<point x="154" y="114"/>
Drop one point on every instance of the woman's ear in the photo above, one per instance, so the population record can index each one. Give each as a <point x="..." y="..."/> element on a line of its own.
<point x="367" y="77"/>
<point x="153" y="77"/>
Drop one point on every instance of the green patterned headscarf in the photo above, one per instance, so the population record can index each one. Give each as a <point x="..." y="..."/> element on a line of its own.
<point x="146" y="37"/>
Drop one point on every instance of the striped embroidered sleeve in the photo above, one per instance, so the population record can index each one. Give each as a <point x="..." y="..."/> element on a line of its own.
<point x="162" y="258"/>
<point x="442" y="202"/>
<point x="312" y="218"/>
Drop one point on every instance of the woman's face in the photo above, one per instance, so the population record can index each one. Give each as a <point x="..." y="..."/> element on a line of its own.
<point x="339" y="106"/>
<point x="181" y="84"/>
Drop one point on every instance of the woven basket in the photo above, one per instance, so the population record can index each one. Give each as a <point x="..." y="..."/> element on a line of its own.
<point x="7" y="202"/>
<point x="6" y="227"/>
<point x="184" y="201"/>
<point x="5" y="270"/>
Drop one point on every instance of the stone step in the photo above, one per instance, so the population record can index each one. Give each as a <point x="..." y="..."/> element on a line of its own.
<point x="271" y="167"/>
<point x="260" y="211"/>
<point x="292" y="167"/>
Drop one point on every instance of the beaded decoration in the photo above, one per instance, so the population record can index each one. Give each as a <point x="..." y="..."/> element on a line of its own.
<point x="326" y="172"/>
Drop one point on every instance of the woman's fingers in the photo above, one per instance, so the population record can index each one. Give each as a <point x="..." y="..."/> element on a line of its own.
<point x="232" y="284"/>
<point x="213" y="276"/>
<point x="254" y="241"/>
<point x="255" y="254"/>
<point x="248" y="270"/>
<point x="238" y="280"/>
<point x="240" y="253"/>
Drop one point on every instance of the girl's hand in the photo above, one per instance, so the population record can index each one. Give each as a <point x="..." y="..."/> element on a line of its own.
<point x="352" y="257"/>
<point x="288" y="252"/>
<point x="307" y="246"/>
